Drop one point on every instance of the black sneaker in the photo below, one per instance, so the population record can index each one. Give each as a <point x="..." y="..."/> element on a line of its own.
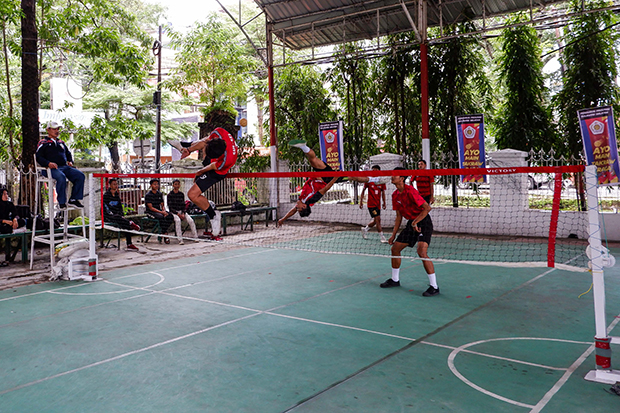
<point x="431" y="291"/>
<point x="62" y="206"/>
<point x="76" y="203"/>
<point x="390" y="283"/>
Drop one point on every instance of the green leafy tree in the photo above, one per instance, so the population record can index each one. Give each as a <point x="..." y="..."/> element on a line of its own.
<point x="350" y="79"/>
<point x="589" y="78"/>
<point x="130" y="114"/>
<point x="523" y="121"/>
<point x="302" y="102"/>
<point x="396" y="96"/>
<point x="211" y="66"/>
<point x="458" y="85"/>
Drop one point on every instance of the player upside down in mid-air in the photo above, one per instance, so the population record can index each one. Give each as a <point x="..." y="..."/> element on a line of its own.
<point x="314" y="188"/>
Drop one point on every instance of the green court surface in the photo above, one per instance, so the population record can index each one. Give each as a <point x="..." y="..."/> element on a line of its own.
<point x="265" y="330"/>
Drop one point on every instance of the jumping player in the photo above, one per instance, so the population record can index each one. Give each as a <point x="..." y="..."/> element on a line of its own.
<point x="375" y="194"/>
<point x="424" y="184"/>
<point x="220" y="155"/>
<point x="312" y="191"/>
<point x="408" y="203"/>
<point x="315" y="162"/>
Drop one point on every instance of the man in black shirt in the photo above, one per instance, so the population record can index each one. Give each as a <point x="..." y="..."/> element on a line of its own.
<point x="113" y="213"/>
<point x="154" y="201"/>
<point x="176" y="204"/>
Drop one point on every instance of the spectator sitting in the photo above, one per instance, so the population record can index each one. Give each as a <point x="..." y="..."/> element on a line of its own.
<point x="176" y="204"/>
<point x="113" y="213"/>
<point x="54" y="154"/>
<point x="154" y="201"/>
<point x="9" y="221"/>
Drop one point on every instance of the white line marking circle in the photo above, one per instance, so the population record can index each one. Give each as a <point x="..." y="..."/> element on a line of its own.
<point x="161" y="279"/>
<point x="456" y="351"/>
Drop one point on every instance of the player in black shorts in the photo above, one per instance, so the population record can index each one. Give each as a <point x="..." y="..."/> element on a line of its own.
<point x="315" y="162"/>
<point x="408" y="203"/>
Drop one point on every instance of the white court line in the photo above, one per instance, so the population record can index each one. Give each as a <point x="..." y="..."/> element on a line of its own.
<point x="98" y="363"/>
<point x="130" y="275"/>
<point x="547" y="397"/>
<point x="458" y="374"/>
<point x="130" y="288"/>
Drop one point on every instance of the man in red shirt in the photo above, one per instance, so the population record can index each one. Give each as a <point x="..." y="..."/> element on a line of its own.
<point x="375" y="194"/>
<point x="312" y="191"/>
<point x="220" y="155"/>
<point x="424" y="184"/>
<point x="408" y="203"/>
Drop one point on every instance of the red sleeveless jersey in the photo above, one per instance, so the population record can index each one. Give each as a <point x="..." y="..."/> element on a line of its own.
<point x="229" y="158"/>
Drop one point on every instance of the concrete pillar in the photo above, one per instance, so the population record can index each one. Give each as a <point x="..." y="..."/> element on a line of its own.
<point x="387" y="161"/>
<point x="508" y="192"/>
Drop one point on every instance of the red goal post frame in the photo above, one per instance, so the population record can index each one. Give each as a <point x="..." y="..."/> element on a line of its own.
<point x="556" y="170"/>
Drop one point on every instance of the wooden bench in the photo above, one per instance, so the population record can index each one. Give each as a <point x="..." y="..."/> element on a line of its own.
<point x="270" y="212"/>
<point x="148" y="222"/>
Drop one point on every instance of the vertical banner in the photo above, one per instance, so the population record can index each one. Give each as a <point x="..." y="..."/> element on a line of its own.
<point x="598" y="133"/>
<point x="330" y="140"/>
<point x="470" y="138"/>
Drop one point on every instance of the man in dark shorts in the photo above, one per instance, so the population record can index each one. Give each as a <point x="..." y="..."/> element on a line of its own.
<point x="312" y="191"/>
<point x="375" y="194"/>
<point x="408" y="203"/>
<point x="315" y="162"/>
<point x="220" y="155"/>
<point x="424" y="184"/>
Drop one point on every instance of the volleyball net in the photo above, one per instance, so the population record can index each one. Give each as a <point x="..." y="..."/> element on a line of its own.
<point x="529" y="216"/>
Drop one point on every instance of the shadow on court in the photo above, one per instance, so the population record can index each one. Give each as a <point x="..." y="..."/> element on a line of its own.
<point x="260" y="330"/>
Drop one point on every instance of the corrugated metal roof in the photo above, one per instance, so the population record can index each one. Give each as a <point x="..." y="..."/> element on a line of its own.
<point x="301" y="24"/>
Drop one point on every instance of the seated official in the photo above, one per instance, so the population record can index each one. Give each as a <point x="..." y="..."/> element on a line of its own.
<point x="53" y="153"/>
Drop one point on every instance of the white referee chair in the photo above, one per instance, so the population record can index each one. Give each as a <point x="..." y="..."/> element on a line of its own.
<point x="51" y="239"/>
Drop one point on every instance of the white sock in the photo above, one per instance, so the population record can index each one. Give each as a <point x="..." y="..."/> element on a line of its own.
<point x="305" y="148"/>
<point x="395" y="274"/>
<point x="432" y="280"/>
<point x="381" y="234"/>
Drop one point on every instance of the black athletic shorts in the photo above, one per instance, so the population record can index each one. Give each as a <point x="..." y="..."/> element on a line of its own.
<point x="328" y="179"/>
<point x="208" y="179"/>
<point x="374" y="212"/>
<point x="427" y="198"/>
<point x="410" y="236"/>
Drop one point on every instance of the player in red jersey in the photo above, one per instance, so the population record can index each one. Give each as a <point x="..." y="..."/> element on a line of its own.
<point x="408" y="203"/>
<point x="424" y="184"/>
<point x="375" y="194"/>
<point x="221" y="153"/>
<point x="312" y="191"/>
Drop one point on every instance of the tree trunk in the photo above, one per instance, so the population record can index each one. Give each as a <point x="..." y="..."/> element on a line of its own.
<point x="30" y="96"/>
<point x="115" y="157"/>
<point x="11" y="128"/>
<point x="261" y="132"/>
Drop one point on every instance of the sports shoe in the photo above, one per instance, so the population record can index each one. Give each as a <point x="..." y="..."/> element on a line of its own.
<point x="365" y="232"/>
<point x="216" y="238"/>
<point x="216" y="223"/>
<point x="297" y="143"/>
<point x="390" y="283"/>
<point x="132" y="247"/>
<point x="62" y="206"/>
<point x="181" y="242"/>
<point x="134" y="226"/>
<point x="176" y="144"/>
<point x="76" y="202"/>
<point x="431" y="291"/>
<point x="383" y="240"/>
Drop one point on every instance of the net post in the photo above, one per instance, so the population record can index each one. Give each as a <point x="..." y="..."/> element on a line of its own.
<point x="603" y="372"/>
<point x="273" y="182"/>
<point x="93" y="269"/>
